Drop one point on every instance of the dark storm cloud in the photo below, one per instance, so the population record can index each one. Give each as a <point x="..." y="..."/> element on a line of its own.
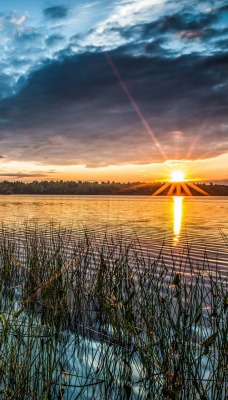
<point x="74" y="110"/>
<point x="222" y="44"/>
<point x="176" y="22"/>
<point x="155" y="47"/>
<point x="206" y="35"/>
<point x="222" y="9"/>
<point x="179" y="22"/>
<point x="187" y="25"/>
<point x="56" y="12"/>
<point x="5" y="85"/>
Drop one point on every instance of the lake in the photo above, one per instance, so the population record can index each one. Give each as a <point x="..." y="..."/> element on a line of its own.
<point x="200" y="222"/>
<point x="88" y="323"/>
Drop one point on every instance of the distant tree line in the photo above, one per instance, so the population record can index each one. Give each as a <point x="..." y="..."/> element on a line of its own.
<point x="96" y="188"/>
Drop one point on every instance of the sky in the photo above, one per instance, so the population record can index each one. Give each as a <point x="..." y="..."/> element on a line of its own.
<point x="123" y="90"/>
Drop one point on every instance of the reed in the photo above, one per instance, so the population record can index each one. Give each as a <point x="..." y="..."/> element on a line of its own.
<point x="84" y="316"/>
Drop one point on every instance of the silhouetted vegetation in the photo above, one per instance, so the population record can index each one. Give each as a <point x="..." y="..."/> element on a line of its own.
<point x="91" y="317"/>
<point x="96" y="188"/>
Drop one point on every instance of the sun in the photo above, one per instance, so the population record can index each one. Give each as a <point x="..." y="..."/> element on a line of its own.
<point x="178" y="185"/>
<point x="177" y="176"/>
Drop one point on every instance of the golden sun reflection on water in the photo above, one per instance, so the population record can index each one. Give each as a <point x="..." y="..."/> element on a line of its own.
<point x="177" y="216"/>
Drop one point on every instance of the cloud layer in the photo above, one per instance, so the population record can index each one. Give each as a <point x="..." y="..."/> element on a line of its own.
<point x="73" y="107"/>
<point x="56" y="12"/>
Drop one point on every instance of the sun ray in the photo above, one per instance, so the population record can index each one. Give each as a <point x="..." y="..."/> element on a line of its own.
<point x="135" y="106"/>
<point x="196" y="140"/>
<point x="193" y="186"/>
<point x="162" y="189"/>
<point x="139" y="185"/>
<point x="171" y="190"/>
<point x="178" y="186"/>
<point x="186" y="189"/>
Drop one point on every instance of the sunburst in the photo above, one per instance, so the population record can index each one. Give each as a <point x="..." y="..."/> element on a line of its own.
<point x="179" y="186"/>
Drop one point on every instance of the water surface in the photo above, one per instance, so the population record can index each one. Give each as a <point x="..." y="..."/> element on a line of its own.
<point x="199" y="221"/>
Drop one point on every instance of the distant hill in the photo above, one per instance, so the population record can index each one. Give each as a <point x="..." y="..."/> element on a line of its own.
<point x="96" y="188"/>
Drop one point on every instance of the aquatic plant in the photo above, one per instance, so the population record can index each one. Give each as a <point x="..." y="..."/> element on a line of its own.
<point x="88" y="316"/>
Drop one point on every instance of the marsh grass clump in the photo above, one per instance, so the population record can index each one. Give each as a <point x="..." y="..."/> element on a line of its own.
<point x="94" y="317"/>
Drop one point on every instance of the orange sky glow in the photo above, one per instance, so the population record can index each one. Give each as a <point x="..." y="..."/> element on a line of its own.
<point x="210" y="170"/>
